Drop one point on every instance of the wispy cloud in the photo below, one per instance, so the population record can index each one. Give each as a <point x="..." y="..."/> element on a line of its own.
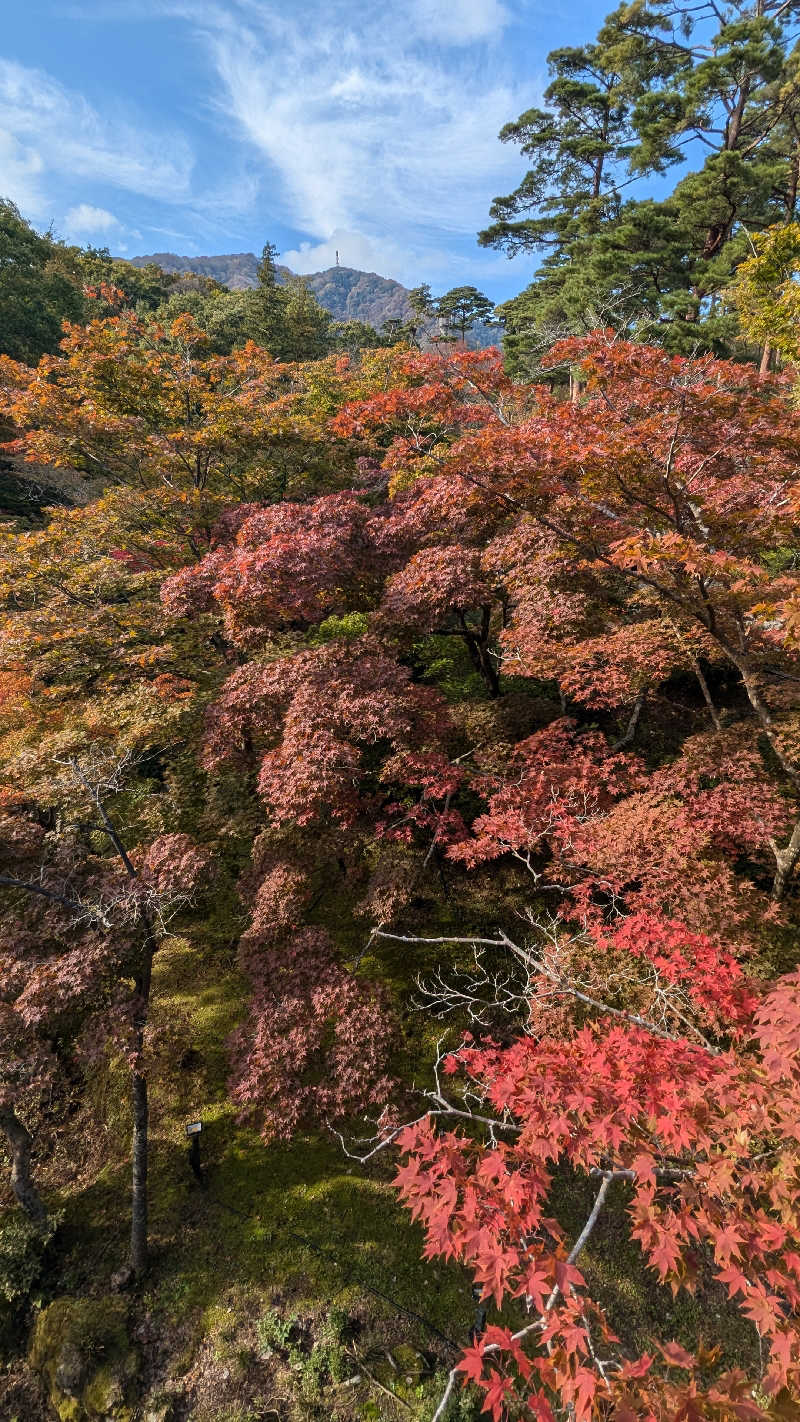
<point x="444" y="22"/>
<point x="353" y="125"/>
<point x="370" y="133"/>
<point x="21" y="169"/>
<point x="48" y="129"/>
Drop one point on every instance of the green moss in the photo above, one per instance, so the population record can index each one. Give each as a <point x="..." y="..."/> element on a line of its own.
<point x="104" y="1395"/>
<point x="81" y="1348"/>
<point x="296" y="1233"/>
<point x="23" y="1248"/>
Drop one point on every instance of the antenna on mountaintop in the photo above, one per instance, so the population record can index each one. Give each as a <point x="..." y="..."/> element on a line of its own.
<point x="337" y="256"/>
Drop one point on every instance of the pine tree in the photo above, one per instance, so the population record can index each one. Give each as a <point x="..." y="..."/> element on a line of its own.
<point x="306" y="324"/>
<point x="421" y="302"/>
<point x="267" y="303"/>
<point x="461" y="307"/>
<point x="663" y="83"/>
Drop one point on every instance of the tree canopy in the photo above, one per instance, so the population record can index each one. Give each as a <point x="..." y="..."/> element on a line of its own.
<point x="399" y="655"/>
<point x="708" y="93"/>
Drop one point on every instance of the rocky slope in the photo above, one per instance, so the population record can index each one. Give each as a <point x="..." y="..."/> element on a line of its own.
<point x="349" y="294"/>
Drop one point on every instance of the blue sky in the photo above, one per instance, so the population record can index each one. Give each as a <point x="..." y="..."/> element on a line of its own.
<point x="206" y="126"/>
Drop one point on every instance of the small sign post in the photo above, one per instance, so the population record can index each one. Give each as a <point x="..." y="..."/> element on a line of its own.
<point x="193" y="1129"/>
<point x="479" y="1326"/>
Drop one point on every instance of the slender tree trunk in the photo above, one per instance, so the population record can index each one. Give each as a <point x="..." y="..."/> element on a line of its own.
<point x="629" y="734"/>
<point x="785" y="859"/>
<point x="764" y="717"/>
<point x="141" y="1121"/>
<point x="140" y="1138"/>
<point x="698" y="671"/>
<point x="766" y="356"/>
<point x="786" y="863"/>
<point x="22" y="1182"/>
<point x="712" y="710"/>
<point x="139" y="1174"/>
<point x="478" y="647"/>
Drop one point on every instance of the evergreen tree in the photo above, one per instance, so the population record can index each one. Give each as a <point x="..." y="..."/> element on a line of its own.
<point x="664" y="84"/>
<point x="354" y="336"/>
<point x="286" y="318"/>
<point x="307" y="325"/>
<point x="266" y="324"/>
<point x="462" y="307"/>
<point x="421" y="302"/>
<point x="40" y="286"/>
<point x="396" y="332"/>
<point x="423" y="309"/>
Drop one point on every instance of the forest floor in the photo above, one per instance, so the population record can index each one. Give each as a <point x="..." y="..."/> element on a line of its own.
<point x="288" y="1283"/>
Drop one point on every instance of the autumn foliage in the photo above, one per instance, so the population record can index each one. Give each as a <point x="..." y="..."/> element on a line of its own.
<point x="428" y="657"/>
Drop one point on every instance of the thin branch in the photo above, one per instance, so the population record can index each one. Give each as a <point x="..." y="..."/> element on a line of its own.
<point x="539" y="1322"/>
<point x="389" y="1393"/>
<point x="111" y="829"/>
<point x="32" y="888"/>
<point x="541" y="968"/>
<point x="630" y="731"/>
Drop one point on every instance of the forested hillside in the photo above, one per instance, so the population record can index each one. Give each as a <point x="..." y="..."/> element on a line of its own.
<point x="355" y="299"/>
<point x="400" y="799"/>
<point x="44" y="282"/>
<point x="348" y="294"/>
<point x="237" y="270"/>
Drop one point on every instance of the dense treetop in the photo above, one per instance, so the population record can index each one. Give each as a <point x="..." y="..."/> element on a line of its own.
<point x="411" y="651"/>
<point x="703" y="91"/>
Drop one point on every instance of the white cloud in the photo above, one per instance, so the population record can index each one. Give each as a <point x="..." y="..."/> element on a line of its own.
<point x="85" y="220"/>
<point x="50" y="130"/>
<point x="368" y="133"/>
<point x="354" y="249"/>
<point x="357" y="124"/>
<point x="462" y="23"/>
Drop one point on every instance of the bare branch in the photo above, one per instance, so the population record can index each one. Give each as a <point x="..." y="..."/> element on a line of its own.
<point x="538" y="1323"/>
<point x="540" y="966"/>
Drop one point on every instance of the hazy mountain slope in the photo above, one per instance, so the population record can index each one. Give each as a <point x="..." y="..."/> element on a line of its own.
<point x="238" y="270"/>
<point x="347" y="293"/>
<point x="351" y="295"/>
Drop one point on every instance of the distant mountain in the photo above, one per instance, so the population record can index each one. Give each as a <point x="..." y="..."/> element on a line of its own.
<point x="238" y="271"/>
<point x="348" y="294"/>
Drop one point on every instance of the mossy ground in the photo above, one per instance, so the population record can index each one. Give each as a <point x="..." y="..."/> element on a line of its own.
<point x="298" y="1229"/>
<point x="233" y="1322"/>
<point x="286" y="1237"/>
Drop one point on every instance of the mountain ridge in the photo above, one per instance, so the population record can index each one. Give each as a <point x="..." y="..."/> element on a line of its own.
<point x="348" y="293"/>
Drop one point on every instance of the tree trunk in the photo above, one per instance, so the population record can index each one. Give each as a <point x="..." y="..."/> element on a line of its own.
<point x="629" y="734"/>
<point x="478" y="648"/>
<point x="786" y="863"/>
<point x="750" y="683"/>
<point x="766" y="354"/>
<point x="141" y="1116"/>
<point x="22" y="1182"/>
<point x="139" y="1181"/>
<point x="785" y="859"/>
<point x="707" y="697"/>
